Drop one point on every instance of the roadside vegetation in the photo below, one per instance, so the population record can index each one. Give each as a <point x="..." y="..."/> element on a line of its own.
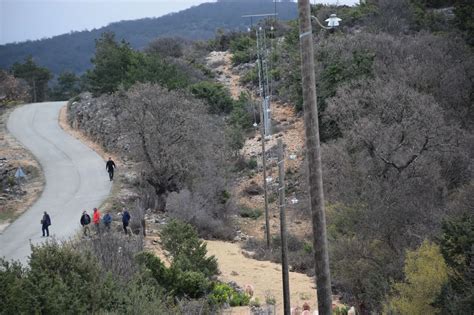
<point x="111" y="274"/>
<point x="395" y="99"/>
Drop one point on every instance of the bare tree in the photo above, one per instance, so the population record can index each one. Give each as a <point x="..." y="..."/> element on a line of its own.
<point x="171" y="136"/>
<point x="385" y="181"/>
<point x="12" y="89"/>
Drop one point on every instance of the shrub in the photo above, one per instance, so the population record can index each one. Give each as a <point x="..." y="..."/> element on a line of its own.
<point x="190" y="283"/>
<point x="250" y="76"/>
<point x="187" y="251"/>
<point x="177" y="282"/>
<point x="61" y="279"/>
<point x="251" y="213"/>
<point x="244" y="112"/>
<point x="223" y="293"/>
<point x="252" y="163"/>
<point x="243" y="50"/>
<point x="255" y="303"/>
<point x="340" y="310"/>
<point x="425" y="274"/>
<point x="216" y="95"/>
<point x="270" y="299"/>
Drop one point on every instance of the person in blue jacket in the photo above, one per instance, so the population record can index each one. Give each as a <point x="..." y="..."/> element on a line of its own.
<point x="107" y="219"/>
<point x="125" y="220"/>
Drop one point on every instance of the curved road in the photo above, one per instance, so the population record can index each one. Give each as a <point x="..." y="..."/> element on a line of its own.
<point x="75" y="176"/>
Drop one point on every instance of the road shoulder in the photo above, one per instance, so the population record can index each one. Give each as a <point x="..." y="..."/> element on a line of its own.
<point x="16" y="197"/>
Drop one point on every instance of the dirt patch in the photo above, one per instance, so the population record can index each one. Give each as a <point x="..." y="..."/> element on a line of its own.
<point x="16" y="198"/>
<point x="264" y="276"/>
<point x="220" y="61"/>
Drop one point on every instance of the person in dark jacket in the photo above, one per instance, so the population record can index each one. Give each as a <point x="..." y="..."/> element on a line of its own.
<point x="125" y="220"/>
<point x="45" y="223"/>
<point x="107" y="219"/>
<point x="110" y="167"/>
<point x="85" y="221"/>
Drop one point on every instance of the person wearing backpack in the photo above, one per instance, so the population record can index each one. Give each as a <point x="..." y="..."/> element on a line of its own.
<point x="85" y="221"/>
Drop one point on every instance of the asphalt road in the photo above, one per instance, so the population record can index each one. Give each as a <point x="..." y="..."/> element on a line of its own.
<point x="75" y="175"/>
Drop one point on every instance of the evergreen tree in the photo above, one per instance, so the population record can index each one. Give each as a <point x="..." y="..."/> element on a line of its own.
<point x="112" y="62"/>
<point x="36" y="76"/>
<point x="67" y="86"/>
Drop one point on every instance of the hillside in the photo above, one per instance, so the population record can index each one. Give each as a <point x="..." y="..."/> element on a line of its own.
<point x="73" y="51"/>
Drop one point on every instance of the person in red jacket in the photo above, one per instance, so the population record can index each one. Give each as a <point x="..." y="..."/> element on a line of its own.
<point x="96" y="219"/>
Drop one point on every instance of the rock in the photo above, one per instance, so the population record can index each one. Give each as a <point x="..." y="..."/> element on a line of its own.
<point x="248" y="254"/>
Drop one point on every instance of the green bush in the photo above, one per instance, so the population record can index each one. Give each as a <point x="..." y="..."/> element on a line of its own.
<point x="251" y="213"/>
<point x="223" y="293"/>
<point x="177" y="282"/>
<point x="235" y="138"/>
<point x="63" y="280"/>
<point x="340" y="310"/>
<point x="216" y="95"/>
<point x="187" y="251"/>
<point x="250" y="76"/>
<point x="243" y="50"/>
<point x="252" y="163"/>
<point x="191" y="284"/>
<point x="243" y="112"/>
<point x="240" y="57"/>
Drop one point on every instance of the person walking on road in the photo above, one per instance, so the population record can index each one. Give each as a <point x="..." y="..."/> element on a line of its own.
<point x="110" y="167"/>
<point x="125" y="220"/>
<point x="96" y="220"/>
<point x="107" y="219"/>
<point x="45" y="223"/>
<point x="85" y="221"/>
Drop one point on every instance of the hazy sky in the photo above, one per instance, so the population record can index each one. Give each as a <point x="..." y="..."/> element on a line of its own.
<point x="34" y="19"/>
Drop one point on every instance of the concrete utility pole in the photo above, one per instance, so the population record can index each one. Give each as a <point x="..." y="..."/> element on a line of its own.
<point x="323" y="276"/>
<point x="284" y="244"/>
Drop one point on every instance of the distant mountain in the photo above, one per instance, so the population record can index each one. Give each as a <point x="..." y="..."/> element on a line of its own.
<point x="73" y="51"/>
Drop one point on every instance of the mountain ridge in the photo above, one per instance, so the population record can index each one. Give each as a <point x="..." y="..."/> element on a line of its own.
<point x="72" y="51"/>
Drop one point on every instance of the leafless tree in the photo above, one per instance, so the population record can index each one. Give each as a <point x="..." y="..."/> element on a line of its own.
<point x="440" y="66"/>
<point x="171" y="137"/>
<point x="385" y="180"/>
<point x="12" y="89"/>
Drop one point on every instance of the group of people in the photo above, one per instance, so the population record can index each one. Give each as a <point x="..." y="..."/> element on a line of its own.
<point x="106" y="220"/>
<point x="96" y="218"/>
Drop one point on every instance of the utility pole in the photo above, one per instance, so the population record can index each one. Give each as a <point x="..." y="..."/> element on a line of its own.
<point x="265" y="120"/>
<point x="264" y="165"/>
<point x="323" y="276"/>
<point x="284" y="245"/>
